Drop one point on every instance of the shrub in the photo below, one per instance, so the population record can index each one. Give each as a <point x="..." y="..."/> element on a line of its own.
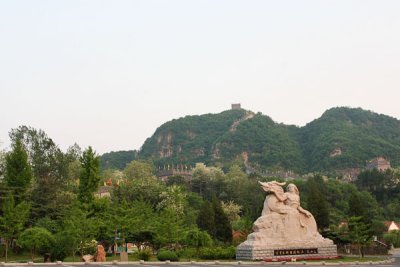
<point x="58" y="252"/>
<point x="88" y="247"/>
<point x="226" y="253"/>
<point x="218" y="253"/>
<point x="164" y="255"/>
<point x="207" y="254"/>
<point x="62" y="247"/>
<point x="144" y="254"/>
<point x="393" y="238"/>
<point x="36" y="239"/>
<point x="187" y="253"/>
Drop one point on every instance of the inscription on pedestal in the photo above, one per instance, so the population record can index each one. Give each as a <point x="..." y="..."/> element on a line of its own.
<point x="300" y="251"/>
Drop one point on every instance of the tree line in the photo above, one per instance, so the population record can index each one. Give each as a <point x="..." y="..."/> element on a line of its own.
<point x="49" y="204"/>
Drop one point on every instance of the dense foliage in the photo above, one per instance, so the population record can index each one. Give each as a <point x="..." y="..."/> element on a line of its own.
<point x="117" y="159"/>
<point x="66" y="216"/>
<point x="188" y="140"/>
<point x="219" y="139"/>
<point x="360" y="135"/>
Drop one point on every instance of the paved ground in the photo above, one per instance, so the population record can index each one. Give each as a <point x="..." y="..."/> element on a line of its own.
<point x="212" y="264"/>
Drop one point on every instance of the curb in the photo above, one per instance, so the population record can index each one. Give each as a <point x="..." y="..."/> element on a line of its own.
<point x="216" y="262"/>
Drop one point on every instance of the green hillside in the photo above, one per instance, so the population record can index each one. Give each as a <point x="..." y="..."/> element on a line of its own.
<point x="341" y="138"/>
<point x="358" y="134"/>
<point x="264" y="142"/>
<point x="190" y="139"/>
<point x="117" y="159"/>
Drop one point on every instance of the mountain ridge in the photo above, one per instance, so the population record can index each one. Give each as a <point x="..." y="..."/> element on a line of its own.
<point x="342" y="137"/>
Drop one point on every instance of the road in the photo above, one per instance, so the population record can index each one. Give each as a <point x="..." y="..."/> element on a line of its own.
<point x="212" y="264"/>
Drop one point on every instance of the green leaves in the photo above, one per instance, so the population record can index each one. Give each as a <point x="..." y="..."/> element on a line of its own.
<point x="213" y="219"/>
<point x="317" y="203"/>
<point x="341" y="138"/>
<point x="14" y="217"/>
<point x="89" y="177"/>
<point x="18" y="172"/>
<point x="359" y="233"/>
<point x="37" y="239"/>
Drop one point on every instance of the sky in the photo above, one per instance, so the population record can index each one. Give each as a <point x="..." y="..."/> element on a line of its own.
<point x="108" y="73"/>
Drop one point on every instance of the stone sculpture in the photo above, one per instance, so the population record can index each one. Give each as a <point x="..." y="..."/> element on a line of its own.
<point x="88" y="258"/>
<point x="100" y="254"/>
<point x="284" y="228"/>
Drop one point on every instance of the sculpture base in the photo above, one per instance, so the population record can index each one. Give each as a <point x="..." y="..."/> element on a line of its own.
<point x="248" y="252"/>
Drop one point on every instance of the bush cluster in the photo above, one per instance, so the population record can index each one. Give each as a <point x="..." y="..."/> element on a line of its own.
<point x="187" y="253"/>
<point x="223" y="253"/>
<point x="164" y="255"/>
<point x="144" y="254"/>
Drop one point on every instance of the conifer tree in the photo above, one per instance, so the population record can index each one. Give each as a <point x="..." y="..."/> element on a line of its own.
<point x="205" y="219"/>
<point x="89" y="177"/>
<point x="213" y="219"/>
<point x="12" y="220"/>
<point x="223" y="229"/>
<point x="50" y="170"/>
<point x="317" y="204"/>
<point x="359" y="233"/>
<point x="18" y="172"/>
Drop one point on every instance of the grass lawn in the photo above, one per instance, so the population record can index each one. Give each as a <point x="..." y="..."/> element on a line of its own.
<point x="357" y="258"/>
<point x="24" y="257"/>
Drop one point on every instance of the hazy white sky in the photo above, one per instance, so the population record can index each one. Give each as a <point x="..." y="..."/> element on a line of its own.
<point x="108" y="73"/>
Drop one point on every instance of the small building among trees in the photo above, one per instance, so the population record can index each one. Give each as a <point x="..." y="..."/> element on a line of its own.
<point x="392" y="226"/>
<point x="379" y="163"/>
<point x="236" y="106"/>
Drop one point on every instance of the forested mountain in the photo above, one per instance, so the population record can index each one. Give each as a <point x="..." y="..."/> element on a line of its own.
<point x="348" y="137"/>
<point x="190" y="139"/>
<point x="117" y="159"/>
<point x="341" y="138"/>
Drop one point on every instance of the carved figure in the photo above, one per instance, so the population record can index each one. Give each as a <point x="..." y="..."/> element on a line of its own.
<point x="100" y="254"/>
<point x="283" y="221"/>
<point x="87" y="258"/>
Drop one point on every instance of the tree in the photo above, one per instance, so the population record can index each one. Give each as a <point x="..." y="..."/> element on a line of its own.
<point x="207" y="181"/>
<point x="363" y="204"/>
<point x="145" y="188"/>
<point x="133" y="222"/>
<point x="169" y="228"/>
<point x="18" y="172"/>
<point x="393" y="238"/>
<point x="356" y="206"/>
<point x="36" y="239"/>
<point x="45" y="156"/>
<point x="317" y="204"/>
<point x="236" y="180"/>
<point x="77" y="227"/>
<point x="138" y="169"/>
<point x="2" y="161"/>
<point x="223" y="229"/>
<point x="142" y="239"/>
<point x="89" y="177"/>
<point x="117" y="160"/>
<point x="197" y="239"/>
<point x="13" y="220"/>
<point x="205" y="219"/>
<point x="374" y="181"/>
<point x="174" y="199"/>
<point x="213" y="219"/>
<point x="359" y="233"/>
<point x="50" y="170"/>
<point x="112" y="175"/>
<point x="232" y="210"/>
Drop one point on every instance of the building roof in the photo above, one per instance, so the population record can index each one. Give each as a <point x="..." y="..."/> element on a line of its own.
<point x="392" y="225"/>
